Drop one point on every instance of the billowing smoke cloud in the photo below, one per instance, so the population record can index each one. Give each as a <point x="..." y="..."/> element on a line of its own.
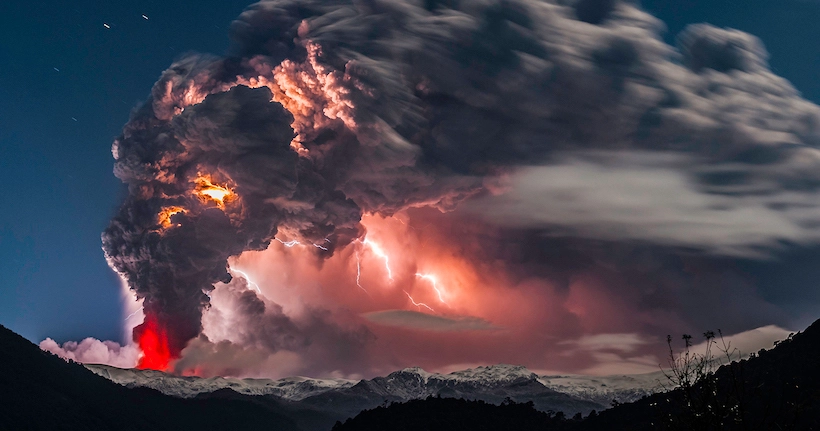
<point x="323" y="112"/>
<point x="94" y="351"/>
<point x="239" y="139"/>
<point x="248" y="335"/>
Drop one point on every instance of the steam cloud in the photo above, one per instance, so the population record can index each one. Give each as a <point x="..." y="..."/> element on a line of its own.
<point x="93" y="351"/>
<point x="324" y="111"/>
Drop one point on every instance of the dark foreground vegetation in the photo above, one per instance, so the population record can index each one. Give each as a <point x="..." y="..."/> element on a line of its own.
<point x="777" y="389"/>
<point x="433" y="414"/>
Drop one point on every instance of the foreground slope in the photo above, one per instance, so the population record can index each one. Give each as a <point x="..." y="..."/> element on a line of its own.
<point x="448" y="414"/>
<point x="39" y="391"/>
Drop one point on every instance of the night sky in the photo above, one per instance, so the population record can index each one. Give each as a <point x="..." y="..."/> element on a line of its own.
<point x="57" y="128"/>
<point x="69" y="84"/>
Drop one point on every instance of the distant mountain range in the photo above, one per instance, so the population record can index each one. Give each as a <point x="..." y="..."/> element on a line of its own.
<point x="568" y="393"/>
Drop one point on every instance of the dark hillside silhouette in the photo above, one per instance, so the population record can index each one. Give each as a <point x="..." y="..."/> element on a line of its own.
<point x="40" y="391"/>
<point x="776" y="389"/>
<point x="448" y="414"/>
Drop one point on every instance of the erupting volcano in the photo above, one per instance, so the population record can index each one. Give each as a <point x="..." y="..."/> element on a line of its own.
<point x="379" y="168"/>
<point x="153" y="341"/>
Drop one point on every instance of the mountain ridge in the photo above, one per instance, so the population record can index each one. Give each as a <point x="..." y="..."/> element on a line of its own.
<point x="405" y="384"/>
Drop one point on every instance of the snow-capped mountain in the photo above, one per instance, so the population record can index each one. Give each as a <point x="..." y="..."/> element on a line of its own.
<point x="291" y="388"/>
<point x="568" y="393"/>
<point x="605" y="389"/>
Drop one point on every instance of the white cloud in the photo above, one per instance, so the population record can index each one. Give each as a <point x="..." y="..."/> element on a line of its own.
<point x="749" y="341"/>
<point x="620" y="353"/>
<point x="94" y="351"/>
<point x="653" y="198"/>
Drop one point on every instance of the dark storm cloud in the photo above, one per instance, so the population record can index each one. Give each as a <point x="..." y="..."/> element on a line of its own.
<point x="239" y="138"/>
<point x="394" y="104"/>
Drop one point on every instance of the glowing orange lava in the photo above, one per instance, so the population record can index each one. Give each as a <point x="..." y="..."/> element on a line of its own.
<point x="164" y="216"/>
<point x="207" y="191"/>
<point x="153" y="340"/>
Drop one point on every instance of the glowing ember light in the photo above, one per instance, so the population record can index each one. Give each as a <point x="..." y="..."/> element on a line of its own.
<point x="320" y="247"/>
<point x="377" y="250"/>
<point x="207" y="191"/>
<point x="418" y="304"/>
<point x="247" y="278"/>
<point x="153" y="341"/>
<point x="164" y="216"/>
<point x="434" y="281"/>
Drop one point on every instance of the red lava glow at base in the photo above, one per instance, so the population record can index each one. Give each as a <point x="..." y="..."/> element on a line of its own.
<point x="154" y="344"/>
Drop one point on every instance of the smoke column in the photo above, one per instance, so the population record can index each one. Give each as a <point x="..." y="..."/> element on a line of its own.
<point x="324" y="111"/>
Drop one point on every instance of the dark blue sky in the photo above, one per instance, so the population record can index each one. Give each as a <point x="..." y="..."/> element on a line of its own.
<point x="69" y="83"/>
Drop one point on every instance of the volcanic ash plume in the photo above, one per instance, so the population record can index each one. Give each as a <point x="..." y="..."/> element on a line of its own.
<point x="325" y="111"/>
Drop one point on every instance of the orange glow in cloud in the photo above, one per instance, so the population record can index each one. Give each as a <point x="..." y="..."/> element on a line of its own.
<point x="428" y="274"/>
<point x="410" y="263"/>
<point x="392" y="267"/>
<point x="209" y="192"/>
<point x="316" y="95"/>
<point x="164" y="216"/>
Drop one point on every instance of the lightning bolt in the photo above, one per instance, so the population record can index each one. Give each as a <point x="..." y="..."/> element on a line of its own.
<point x="377" y="250"/>
<point x="248" y="279"/>
<point x="133" y="314"/>
<point x="434" y="281"/>
<point x="290" y="243"/>
<point x="418" y="304"/>
<point x="359" y="273"/>
<point x="293" y="242"/>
